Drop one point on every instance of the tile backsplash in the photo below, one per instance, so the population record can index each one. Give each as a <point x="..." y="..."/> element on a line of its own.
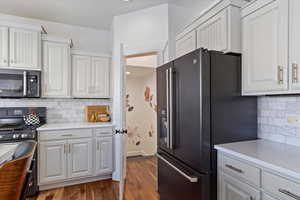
<point x="279" y="119"/>
<point x="58" y="110"/>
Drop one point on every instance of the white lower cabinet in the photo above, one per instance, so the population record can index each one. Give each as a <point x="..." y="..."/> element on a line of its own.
<point x="232" y="189"/>
<point x="52" y="161"/>
<point x="104" y="153"/>
<point x="80" y="157"/>
<point x="66" y="157"/>
<point x="271" y="185"/>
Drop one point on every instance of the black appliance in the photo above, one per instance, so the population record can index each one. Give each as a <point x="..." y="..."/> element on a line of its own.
<point x="20" y="84"/>
<point x="14" y="129"/>
<point x="199" y="105"/>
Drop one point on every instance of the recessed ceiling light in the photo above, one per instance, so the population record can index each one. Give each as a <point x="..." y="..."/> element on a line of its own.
<point x="127" y="0"/>
<point x="128" y="73"/>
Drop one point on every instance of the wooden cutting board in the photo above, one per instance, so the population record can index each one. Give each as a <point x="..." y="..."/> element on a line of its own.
<point x="91" y="111"/>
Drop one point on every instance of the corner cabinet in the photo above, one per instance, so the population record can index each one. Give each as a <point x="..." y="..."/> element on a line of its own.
<point x="56" y="68"/>
<point x="265" y="48"/>
<point x="91" y="76"/>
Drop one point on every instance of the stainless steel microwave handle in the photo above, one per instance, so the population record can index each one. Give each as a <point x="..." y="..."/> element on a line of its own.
<point x="171" y="107"/>
<point x="168" y="107"/>
<point x="24" y="83"/>
<point x="191" y="179"/>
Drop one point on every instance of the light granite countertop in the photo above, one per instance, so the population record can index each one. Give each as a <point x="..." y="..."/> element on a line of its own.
<point x="6" y="151"/>
<point x="280" y="157"/>
<point x="77" y="125"/>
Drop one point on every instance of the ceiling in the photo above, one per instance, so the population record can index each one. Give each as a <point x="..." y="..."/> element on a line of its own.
<point x="96" y="14"/>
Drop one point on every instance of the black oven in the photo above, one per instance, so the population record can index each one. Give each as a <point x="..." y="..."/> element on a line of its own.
<point x="20" y="84"/>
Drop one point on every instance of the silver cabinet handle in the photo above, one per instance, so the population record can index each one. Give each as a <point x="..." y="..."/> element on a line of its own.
<point x="295" y="73"/>
<point x="65" y="148"/>
<point x="171" y="107"/>
<point x="67" y="135"/>
<point x="24" y="83"/>
<point x="235" y="169"/>
<point x="290" y="194"/>
<point x="280" y="74"/>
<point x="168" y="107"/>
<point x="70" y="148"/>
<point x="98" y="145"/>
<point x="191" y="179"/>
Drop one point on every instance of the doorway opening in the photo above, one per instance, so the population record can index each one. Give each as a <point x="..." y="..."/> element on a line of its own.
<point x="141" y="104"/>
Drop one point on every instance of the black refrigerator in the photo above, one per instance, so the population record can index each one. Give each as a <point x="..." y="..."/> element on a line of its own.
<point x="199" y="105"/>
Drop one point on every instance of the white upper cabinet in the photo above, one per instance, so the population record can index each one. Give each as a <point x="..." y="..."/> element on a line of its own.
<point x="99" y="86"/>
<point x="219" y="28"/>
<point x="3" y="46"/>
<point x="213" y="34"/>
<point x="81" y="69"/>
<point x="186" y="44"/>
<point x="24" y="49"/>
<point x="91" y="76"/>
<point x="56" y="69"/>
<point x="294" y="45"/>
<point x="265" y="49"/>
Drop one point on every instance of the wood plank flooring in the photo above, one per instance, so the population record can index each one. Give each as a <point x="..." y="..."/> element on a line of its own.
<point x="140" y="185"/>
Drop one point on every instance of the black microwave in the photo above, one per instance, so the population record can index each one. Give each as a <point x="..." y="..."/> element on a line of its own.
<point x="20" y="84"/>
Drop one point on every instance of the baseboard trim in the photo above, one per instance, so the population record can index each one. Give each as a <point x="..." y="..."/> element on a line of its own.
<point x="73" y="182"/>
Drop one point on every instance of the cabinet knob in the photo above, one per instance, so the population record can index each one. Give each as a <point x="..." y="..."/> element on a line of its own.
<point x="4" y="61"/>
<point x="11" y="61"/>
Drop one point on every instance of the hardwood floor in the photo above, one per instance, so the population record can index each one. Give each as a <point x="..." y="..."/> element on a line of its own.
<point x="140" y="185"/>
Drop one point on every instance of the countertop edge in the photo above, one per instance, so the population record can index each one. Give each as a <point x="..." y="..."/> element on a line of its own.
<point x="259" y="162"/>
<point x="68" y="127"/>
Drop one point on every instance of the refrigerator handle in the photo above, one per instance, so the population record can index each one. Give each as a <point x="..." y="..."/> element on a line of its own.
<point x="191" y="179"/>
<point x="168" y="107"/>
<point x="171" y="108"/>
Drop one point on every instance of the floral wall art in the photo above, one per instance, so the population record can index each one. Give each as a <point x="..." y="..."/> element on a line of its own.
<point x="141" y="115"/>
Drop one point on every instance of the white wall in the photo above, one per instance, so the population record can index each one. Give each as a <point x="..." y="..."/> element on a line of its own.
<point x="83" y="38"/>
<point x="140" y="31"/>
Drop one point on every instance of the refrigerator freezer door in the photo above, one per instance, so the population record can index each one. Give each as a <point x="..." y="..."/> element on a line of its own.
<point x="175" y="183"/>
<point x="191" y="105"/>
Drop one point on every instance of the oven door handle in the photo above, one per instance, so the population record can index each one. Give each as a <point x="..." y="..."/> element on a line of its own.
<point x="191" y="179"/>
<point x="24" y="83"/>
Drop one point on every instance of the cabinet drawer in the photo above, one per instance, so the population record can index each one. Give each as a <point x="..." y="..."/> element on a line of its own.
<point x="280" y="187"/>
<point x="239" y="169"/>
<point x="65" y="134"/>
<point x="103" y="131"/>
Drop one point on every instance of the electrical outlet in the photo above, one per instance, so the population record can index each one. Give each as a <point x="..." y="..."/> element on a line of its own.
<point x="292" y="119"/>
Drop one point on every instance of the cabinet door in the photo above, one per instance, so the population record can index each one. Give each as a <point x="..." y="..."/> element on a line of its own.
<point x="294" y="44"/>
<point x="80" y="158"/>
<point x="232" y="189"/>
<point x="100" y="78"/>
<point x="265" y="49"/>
<point x="3" y="46"/>
<point x="52" y="161"/>
<point x="24" y="48"/>
<point x="56" y="69"/>
<point x="186" y="44"/>
<point x="213" y="33"/>
<point x="81" y="66"/>
<point x="104" y="155"/>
